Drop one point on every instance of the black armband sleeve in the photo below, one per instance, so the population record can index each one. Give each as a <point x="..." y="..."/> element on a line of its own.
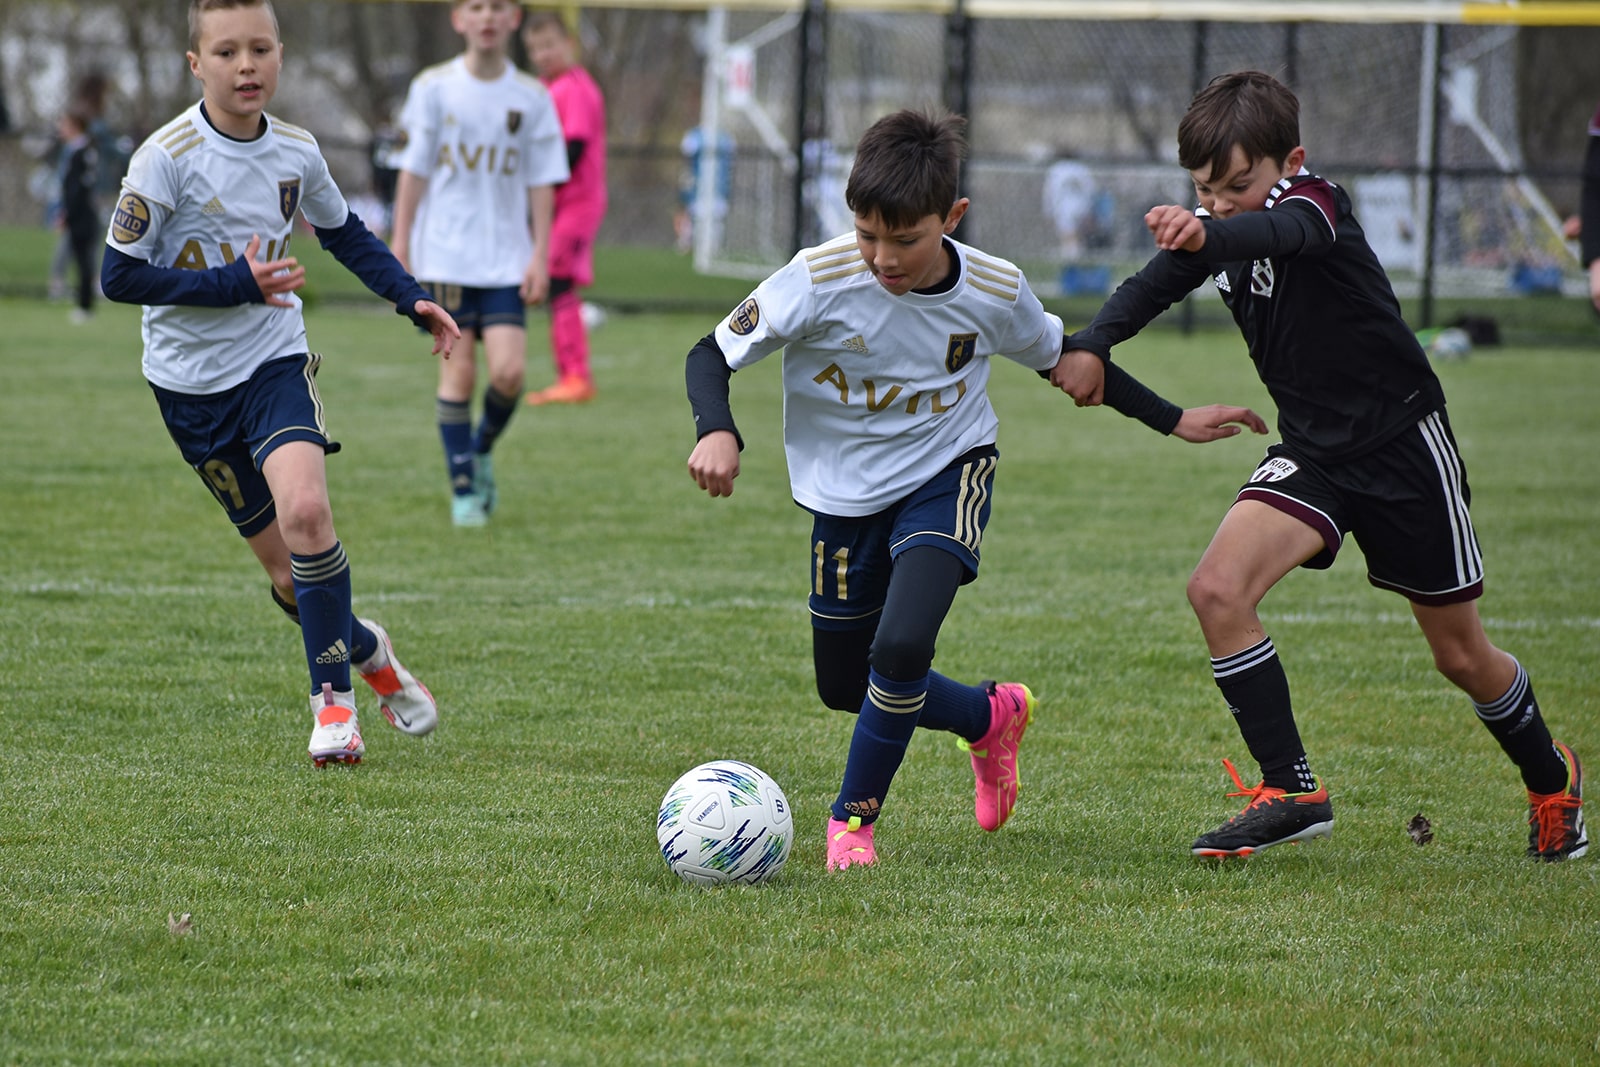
<point x="1134" y="399"/>
<point x="706" y="373"/>
<point x="575" y="149"/>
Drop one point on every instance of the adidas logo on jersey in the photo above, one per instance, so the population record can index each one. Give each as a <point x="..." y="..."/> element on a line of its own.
<point x="334" y="653"/>
<point x="213" y="207"/>
<point x="1222" y="282"/>
<point x="857" y="344"/>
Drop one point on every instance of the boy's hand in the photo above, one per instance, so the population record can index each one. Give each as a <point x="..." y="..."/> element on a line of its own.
<point x="279" y="276"/>
<point x="444" y="329"/>
<point x="1176" y="229"/>
<point x="1081" y="375"/>
<point x="1213" y="423"/>
<point x="535" y="283"/>
<point x="714" y="463"/>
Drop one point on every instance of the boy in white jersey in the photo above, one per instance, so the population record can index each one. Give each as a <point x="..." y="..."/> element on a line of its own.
<point x="225" y="344"/>
<point x="484" y="152"/>
<point x="890" y="438"/>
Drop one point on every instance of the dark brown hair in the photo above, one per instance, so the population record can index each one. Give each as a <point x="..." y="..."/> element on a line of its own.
<point x="544" y="19"/>
<point x="907" y="167"/>
<point x="1246" y="108"/>
<point x="200" y="7"/>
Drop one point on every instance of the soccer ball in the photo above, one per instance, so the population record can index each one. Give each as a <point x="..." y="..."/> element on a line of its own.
<point x="725" y="821"/>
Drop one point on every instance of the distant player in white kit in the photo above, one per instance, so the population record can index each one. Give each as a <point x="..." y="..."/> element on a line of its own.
<point x="484" y="152"/>
<point x="225" y="343"/>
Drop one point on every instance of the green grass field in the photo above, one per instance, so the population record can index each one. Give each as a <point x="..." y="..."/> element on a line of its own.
<point x="493" y="895"/>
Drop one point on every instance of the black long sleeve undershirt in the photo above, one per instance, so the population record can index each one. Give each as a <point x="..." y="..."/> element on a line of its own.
<point x="706" y="375"/>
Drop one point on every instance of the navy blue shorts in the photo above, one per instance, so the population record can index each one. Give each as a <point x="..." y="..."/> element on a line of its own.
<point x="1404" y="503"/>
<point x="475" y="309"/>
<point x="227" y="436"/>
<point x="851" y="558"/>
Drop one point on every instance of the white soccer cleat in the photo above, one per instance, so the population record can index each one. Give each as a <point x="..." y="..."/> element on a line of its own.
<point x="405" y="702"/>
<point x="336" y="735"/>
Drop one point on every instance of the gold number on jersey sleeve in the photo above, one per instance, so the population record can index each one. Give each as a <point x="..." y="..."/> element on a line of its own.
<point x="220" y="480"/>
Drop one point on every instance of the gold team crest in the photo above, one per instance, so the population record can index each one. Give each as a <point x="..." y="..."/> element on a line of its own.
<point x="963" y="346"/>
<point x="288" y="197"/>
<point x="745" y="318"/>
<point x="513" y="121"/>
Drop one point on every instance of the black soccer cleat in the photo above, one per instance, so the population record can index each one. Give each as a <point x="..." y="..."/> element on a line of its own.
<point x="1272" y="817"/>
<point x="1555" y="820"/>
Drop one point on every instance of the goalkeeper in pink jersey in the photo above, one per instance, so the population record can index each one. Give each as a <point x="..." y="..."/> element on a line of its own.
<point x="580" y="204"/>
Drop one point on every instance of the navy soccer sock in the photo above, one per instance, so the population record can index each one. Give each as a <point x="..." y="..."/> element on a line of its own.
<point x="883" y="730"/>
<point x="1516" y="722"/>
<point x="1257" y="692"/>
<point x="363" y="642"/>
<point x="322" y="591"/>
<point x="497" y="411"/>
<point x="455" y="431"/>
<point x="959" y="709"/>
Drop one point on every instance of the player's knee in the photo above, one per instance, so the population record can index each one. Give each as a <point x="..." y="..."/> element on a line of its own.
<point x="305" y="520"/>
<point x="1209" y="595"/>
<point x="508" y="381"/>
<point x="902" y="657"/>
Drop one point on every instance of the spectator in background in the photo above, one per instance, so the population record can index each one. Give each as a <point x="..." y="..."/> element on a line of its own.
<point x="111" y="154"/>
<point x="696" y="155"/>
<point x="580" y="202"/>
<point x="79" y="217"/>
<point x="1081" y="212"/>
<point x="388" y="145"/>
<point x="1069" y="203"/>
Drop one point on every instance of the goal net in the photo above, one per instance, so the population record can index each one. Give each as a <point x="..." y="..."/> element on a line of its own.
<point x="1073" y="127"/>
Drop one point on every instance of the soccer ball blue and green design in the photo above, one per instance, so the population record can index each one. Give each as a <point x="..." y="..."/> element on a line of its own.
<point x="725" y="821"/>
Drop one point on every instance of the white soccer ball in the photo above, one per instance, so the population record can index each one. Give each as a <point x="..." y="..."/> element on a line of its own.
<point x="594" y="316"/>
<point x="725" y="821"/>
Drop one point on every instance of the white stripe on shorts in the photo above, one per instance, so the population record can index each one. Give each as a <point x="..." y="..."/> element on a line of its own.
<point x="1468" y="557"/>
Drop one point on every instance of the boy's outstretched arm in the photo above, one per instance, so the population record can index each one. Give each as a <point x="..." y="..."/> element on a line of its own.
<point x="1216" y="421"/>
<point x="438" y="322"/>
<point x="1090" y="380"/>
<point x="369" y="259"/>
<point x="714" y="463"/>
<point x="130" y="280"/>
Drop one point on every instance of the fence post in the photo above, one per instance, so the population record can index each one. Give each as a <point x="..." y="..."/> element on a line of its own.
<point x="1433" y="72"/>
<point x="811" y="115"/>
<point x="958" y="28"/>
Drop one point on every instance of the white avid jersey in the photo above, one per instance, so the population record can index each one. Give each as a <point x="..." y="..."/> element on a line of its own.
<point x="882" y="392"/>
<point x="481" y="145"/>
<point x="191" y="199"/>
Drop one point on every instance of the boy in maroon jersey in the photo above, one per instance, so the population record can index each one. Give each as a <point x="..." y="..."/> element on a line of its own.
<point x="1366" y="449"/>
